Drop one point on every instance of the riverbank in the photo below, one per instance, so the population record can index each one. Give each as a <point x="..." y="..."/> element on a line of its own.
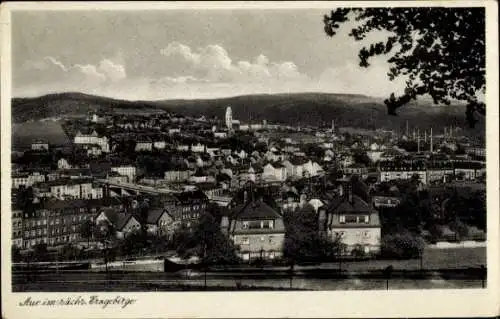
<point x="111" y="282"/>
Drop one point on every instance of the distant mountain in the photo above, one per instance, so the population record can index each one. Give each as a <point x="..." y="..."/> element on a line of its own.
<point x="295" y="109"/>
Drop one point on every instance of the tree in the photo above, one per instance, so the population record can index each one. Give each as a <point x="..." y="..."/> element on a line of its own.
<point x="16" y="254"/>
<point x="86" y="230"/>
<point x="402" y="245"/>
<point x="69" y="252"/>
<point x="106" y="234"/>
<point x="205" y="239"/>
<point x="134" y="243"/>
<point x="440" y="50"/>
<point x="40" y="252"/>
<point x="303" y="242"/>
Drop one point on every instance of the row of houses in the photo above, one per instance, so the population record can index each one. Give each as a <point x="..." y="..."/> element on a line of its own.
<point x="259" y="230"/>
<point x="58" y="222"/>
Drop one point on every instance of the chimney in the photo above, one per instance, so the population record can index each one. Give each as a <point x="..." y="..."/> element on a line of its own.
<point x="245" y="196"/>
<point x="303" y="198"/>
<point x="224" y="224"/>
<point x="432" y="147"/>
<point x="418" y="141"/>
<point x="341" y="190"/>
<point x="322" y="220"/>
<point x="349" y="191"/>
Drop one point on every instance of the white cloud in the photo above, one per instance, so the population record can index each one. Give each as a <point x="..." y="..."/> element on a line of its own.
<point x="351" y="78"/>
<point x="214" y="64"/>
<point x="53" y="70"/>
<point x="207" y="72"/>
<point x="112" y="71"/>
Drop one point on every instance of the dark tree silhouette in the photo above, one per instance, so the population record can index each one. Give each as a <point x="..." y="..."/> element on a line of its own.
<point x="440" y="50"/>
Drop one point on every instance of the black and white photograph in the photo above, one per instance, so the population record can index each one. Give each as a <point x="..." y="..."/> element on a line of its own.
<point x="248" y="149"/>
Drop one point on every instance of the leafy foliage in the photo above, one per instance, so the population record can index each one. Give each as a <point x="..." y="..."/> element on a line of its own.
<point x="40" y="252"/>
<point x="470" y="209"/>
<point x="303" y="242"/>
<point x="205" y="239"/>
<point x="86" y="229"/>
<point x="441" y="51"/>
<point x="16" y="254"/>
<point x="402" y="245"/>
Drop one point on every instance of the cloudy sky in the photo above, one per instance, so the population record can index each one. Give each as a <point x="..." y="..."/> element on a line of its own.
<point x="188" y="54"/>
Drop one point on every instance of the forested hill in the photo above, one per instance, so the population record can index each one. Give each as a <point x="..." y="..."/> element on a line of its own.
<point x="296" y="109"/>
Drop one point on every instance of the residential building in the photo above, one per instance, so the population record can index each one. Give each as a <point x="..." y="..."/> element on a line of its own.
<point x="56" y="222"/>
<point x="26" y="179"/>
<point x="93" y="139"/>
<point x="178" y="175"/>
<point x="198" y="148"/>
<point x="65" y="188"/>
<point x="63" y="163"/>
<point x="17" y="227"/>
<point x="144" y="145"/>
<point x="126" y="170"/>
<point x="257" y="229"/>
<point x="40" y="145"/>
<point x="160" y="222"/>
<point x="186" y="207"/>
<point x="353" y="220"/>
<point x="385" y="201"/>
<point x="124" y="223"/>
<point x="274" y="171"/>
<point x="160" y="144"/>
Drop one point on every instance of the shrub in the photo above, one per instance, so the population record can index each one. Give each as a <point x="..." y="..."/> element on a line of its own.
<point x="402" y="246"/>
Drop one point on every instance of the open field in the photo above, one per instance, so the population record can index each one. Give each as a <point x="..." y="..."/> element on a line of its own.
<point x="23" y="134"/>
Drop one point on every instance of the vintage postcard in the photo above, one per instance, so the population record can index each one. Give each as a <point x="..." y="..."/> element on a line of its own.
<point x="250" y="159"/>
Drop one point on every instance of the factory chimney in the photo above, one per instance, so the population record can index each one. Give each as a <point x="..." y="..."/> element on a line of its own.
<point x="432" y="147"/>
<point x="418" y="141"/>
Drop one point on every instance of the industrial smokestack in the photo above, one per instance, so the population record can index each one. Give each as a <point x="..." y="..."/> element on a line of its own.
<point x="432" y="146"/>
<point x="418" y="141"/>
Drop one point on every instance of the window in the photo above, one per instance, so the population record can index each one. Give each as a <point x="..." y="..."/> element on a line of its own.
<point x="262" y="238"/>
<point x="44" y="222"/>
<point x="271" y="238"/>
<point x="245" y="241"/>
<point x="364" y="219"/>
<point x="45" y="231"/>
<point x="349" y="219"/>
<point x="366" y="234"/>
<point x="342" y="219"/>
<point x="245" y="225"/>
